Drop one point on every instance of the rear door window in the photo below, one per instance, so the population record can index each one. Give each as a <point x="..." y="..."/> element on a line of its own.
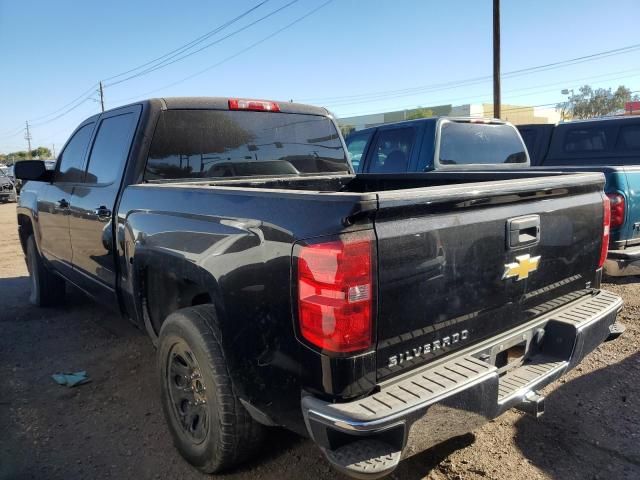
<point x="110" y="149"/>
<point x="585" y="140"/>
<point x="356" y="144"/>
<point x="629" y="139"/>
<point x="221" y="143"/>
<point x="71" y="160"/>
<point x="392" y="150"/>
<point x="466" y="143"/>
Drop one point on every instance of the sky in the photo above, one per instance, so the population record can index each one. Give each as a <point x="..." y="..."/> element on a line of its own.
<point x="351" y="56"/>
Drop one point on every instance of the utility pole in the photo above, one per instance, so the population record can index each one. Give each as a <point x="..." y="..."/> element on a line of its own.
<point x="101" y="96"/>
<point x="496" y="59"/>
<point x="27" y="137"/>
<point x="53" y="145"/>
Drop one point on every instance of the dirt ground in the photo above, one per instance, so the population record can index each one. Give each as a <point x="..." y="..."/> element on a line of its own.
<point x="113" y="427"/>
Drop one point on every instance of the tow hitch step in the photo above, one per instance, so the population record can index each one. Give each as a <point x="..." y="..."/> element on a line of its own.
<point x="615" y="331"/>
<point x="533" y="404"/>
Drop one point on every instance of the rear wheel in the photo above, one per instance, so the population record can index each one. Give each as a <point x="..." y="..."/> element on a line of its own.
<point x="47" y="289"/>
<point x="209" y="425"/>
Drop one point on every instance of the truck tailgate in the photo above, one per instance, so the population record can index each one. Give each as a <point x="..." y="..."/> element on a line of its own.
<point x="460" y="263"/>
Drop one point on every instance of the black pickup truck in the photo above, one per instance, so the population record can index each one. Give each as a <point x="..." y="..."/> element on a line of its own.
<point x="377" y="314"/>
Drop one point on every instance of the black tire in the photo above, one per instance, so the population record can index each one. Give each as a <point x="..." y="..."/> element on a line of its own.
<point x="215" y="434"/>
<point x="47" y="289"/>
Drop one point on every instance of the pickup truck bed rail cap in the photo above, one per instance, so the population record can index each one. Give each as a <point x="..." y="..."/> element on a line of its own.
<point x="470" y="191"/>
<point x="371" y="201"/>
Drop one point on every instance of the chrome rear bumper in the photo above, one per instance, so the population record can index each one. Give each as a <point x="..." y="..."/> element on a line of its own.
<point x="457" y="394"/>
<point x="620" y="263"/>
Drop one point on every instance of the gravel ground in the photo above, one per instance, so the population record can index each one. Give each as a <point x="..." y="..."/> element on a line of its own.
<point x="113" y="426"/>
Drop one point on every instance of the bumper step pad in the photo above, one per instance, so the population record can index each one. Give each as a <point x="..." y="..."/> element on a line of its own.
<point x="427" y="387"/>
<point x="523" y="379"/>
<point x="364" y="458"/>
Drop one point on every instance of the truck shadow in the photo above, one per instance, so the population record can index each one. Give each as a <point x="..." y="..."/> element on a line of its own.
<point x="592" y="423"/>
<point x="621" y="280"/>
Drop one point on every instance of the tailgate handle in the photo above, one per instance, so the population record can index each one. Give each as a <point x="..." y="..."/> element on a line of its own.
<point x="523" y="231"/>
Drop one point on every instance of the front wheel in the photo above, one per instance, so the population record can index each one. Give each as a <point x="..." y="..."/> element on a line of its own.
<point x="209" y="425"/>
<point x="47" y="289"/>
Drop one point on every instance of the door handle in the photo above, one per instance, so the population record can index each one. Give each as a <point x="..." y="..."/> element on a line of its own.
<point x="523" y="231"/>
<point x="103" y="213"/>
<point x="62" y="203"/>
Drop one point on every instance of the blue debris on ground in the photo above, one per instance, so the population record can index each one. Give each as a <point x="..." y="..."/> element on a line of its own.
<point x="71" y="379"/>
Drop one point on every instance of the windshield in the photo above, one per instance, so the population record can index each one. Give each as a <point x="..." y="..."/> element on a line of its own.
<point x="464" y="143"/>
<point x="219" y="143"/>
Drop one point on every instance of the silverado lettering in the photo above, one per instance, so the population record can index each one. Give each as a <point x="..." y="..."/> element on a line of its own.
<point x="434" y="346"/>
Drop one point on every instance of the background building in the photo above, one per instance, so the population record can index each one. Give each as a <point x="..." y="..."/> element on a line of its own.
<point x="517" y="114"/>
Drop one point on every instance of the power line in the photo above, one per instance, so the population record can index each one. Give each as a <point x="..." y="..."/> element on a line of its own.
<point x="86" y="99"/>
<point x="180" y="58"/>
<point x="79" y="97"/>
<point x="190" y="44"/>
<point x="590" y="78"/>
<point x="433" y="88"/>
<point x="84" y="96"/>
<point x="231" y="57"/>
<point x="13" y="133"/>
<point x="464" y="82"/>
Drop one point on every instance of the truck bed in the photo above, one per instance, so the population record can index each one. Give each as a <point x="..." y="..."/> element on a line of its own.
<point x="440" y="243"/>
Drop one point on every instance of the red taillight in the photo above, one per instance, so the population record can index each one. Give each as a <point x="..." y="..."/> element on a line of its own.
<point x="257" y="105"/>
<point x="606" y="226"/>
<point x="617" y="209"/>
<point x="335" y="294"/>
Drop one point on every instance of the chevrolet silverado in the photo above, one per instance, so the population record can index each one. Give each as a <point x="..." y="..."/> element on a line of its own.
<point x="378" y="314"/>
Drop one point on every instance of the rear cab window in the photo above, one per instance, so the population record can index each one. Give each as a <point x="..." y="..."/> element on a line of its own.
<point x="391" y="151"/>
<point x="629" y="139"/>
<point x="220" y="144"/>
<point x="356" y="145"/>
<point x="586" y="139"/>
<point x="470" y="143"/>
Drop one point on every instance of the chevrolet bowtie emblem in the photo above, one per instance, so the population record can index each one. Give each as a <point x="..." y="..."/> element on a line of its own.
<point x="522" y="267"/>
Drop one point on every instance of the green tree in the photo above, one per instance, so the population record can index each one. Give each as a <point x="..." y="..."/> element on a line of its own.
<point x="589" y="102"/>
<point x="41" y="152"/>
<point x="420" y="113"/>
<point x="346" y="130"/>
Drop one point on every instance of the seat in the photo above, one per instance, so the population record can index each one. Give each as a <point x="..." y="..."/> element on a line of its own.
<point x="396" y="162"/>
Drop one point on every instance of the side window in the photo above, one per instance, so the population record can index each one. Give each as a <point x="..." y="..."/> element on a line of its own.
<point x="581" y="140"/>
<point x="110" y="149"/>
<point x="392" y="150"/>
<point x="356" y="144"/>
<point x="629" y="138"/>
<point x="72" y="156"/>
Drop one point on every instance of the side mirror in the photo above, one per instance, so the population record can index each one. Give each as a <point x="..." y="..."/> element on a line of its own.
<point x="32" y="170"/>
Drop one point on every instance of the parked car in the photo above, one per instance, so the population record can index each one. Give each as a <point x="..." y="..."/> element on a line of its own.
<point x="378" y="316"/>
<point x="7" y="189"/>
<point x="610" y="146"/>
<point x="438" y="143"/>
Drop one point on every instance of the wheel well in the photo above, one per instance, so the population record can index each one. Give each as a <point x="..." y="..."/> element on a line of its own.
<point x="165" y="292"/>
<point x="25" y="228"/>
